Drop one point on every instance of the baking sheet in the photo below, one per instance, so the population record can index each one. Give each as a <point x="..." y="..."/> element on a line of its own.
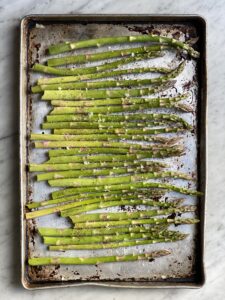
<point x="181" y="267"/>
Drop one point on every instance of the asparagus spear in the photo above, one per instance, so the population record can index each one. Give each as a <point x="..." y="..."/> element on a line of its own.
<point x="87" y="203"/>
<point x="94" y="137"/>
<point x="58" y="241"/>
<point x="170" y="141"/>
<point x="121" y="187"/>
<point x="67" y="107"/>
<point x="108" y="83"/>
<point x="100" y="75"/>
<point x="120" y="118"/>
<point x="96" y="105"/>
<point x="98" y="42"/>
<point x="94" y="172"/>
<point x="81" y="151"/>
<point x="102" y="196"/>
<point x="80" y="166"/>
<point x="83" y="58"/>
<point x="131" y="132"/>
<point x="79" y="182"/>
<point x="64" y="135"/>
<point x="101" y="94"/>
<point x="115" y="244"/>
<point x="104" y="157"/>
<point x="37" y="261"/>
<point x="128" y="216"/>
<point x="94" y="217"/>
<point x="98" y="144"/>
<point x="150" y="221"/>
<point x="45" y="231"/>
<point x="93" y="70"/>
<point x="80" y="202"/>
<point x="99" y="125"/>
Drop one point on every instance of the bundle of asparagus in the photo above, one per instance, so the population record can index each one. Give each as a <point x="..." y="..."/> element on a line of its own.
<point x="101" y="124"/>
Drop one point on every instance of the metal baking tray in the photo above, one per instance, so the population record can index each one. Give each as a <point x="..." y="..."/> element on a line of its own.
<point x="185" y="267"/>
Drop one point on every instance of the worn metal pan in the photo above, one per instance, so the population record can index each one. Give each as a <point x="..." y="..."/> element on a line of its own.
<point x="186" y="267"/>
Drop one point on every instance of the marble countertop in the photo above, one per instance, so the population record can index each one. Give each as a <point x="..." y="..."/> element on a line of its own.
<point x="10" y="14"/>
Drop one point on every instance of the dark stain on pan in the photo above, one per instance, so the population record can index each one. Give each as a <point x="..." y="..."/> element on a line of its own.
<point x="177" y="278"/>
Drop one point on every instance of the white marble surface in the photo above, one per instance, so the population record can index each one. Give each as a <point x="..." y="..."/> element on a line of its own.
<point x="10" y="14"/>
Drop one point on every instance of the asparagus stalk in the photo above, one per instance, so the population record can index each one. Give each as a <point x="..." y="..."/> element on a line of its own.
<point x="150" y="221"/>
<point x="79" y="182"/>
<point x="104" y="157"/>
<point x="93" y="70"/>
<point x="61" y="232"/>
<point x="38" y="261"/>
<point x="94" y="172"/>
<point x="100" y="75"/>
<point x="128" y="216"/>
<point x="65" y="108"/>
<point x="156" y="139"/>
<point x="94" y="137"/>
<point x="63" y="135"/>
<point x="131" y="132"/>
<point x="170" y="141"/>
<point x="59" y="241"/>
<point x="80" y="166"/>
<point x="86" y="204"/>
<point x="81" y="151"/>
<point x="101" y="94"/>
<point x="80" y="202"/>
<point x="119" y="101"/>
<point x="120" y="118"/>
<point x="102" y="196"/>
<point x="122" y="187"/>
<point x="108" y="83"/>
<point x="99" y="125"/>
<point x="98" y="144"/>
<point x="115" y="244"/>
<point x="90" y="57"/>
<point x="98" y="42"/>
<point x="93" y="106"/>
<point x="94" y="217"/>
